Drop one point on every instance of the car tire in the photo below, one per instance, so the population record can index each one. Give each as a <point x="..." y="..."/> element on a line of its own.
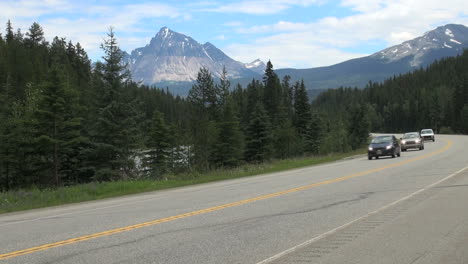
<point x="393" y="154"/>
<point x="403" y="150"/>
<point x="377" y="157"/>
<point x="369" y="157"/>
<point x="399" y="154"/>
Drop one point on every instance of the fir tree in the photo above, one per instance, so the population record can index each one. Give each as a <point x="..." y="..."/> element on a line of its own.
<point x="313" y="137"/>
<point x="228" y="148"/>
<point x="113" y="137"/>
<point x="301" y="109"/>
<point x="259" y="140"/>
<point x="35" y="34"/>
<point x="358" y="127"/>
<point x="272" y="92"/>
<point x="159" y="144"/>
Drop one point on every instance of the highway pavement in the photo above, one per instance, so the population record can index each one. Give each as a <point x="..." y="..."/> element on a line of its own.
<point x="411" y="209"/>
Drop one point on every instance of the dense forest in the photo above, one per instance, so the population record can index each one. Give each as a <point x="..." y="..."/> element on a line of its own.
<point x="435" y="97"/>
<point x="66" y="121"/>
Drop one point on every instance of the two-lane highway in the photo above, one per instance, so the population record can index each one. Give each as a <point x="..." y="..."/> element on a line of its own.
<point x="402" y="210"/>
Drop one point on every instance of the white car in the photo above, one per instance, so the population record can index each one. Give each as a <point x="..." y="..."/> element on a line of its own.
<point x="428" y="134"/>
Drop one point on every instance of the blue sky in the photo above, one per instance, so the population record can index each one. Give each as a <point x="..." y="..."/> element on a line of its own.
<point x="292" y="33"/>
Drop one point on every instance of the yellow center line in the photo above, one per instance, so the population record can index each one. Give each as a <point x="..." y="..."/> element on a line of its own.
<point x="211" y="209"/>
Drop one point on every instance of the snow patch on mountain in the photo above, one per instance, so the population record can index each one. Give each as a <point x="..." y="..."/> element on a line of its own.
<point x="449" y="33"/>
<point x="430" y="42"/>
<point x="171" y="56"/>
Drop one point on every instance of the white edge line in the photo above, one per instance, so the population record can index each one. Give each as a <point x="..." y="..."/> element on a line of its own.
<point x="281" y="254"/>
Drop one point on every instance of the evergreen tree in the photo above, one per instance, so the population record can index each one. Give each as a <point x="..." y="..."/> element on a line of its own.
<point x="159" y="144"/>
<point x="314" y="135"/>
<point x="204" y="95"/>
<point x="224" y="85"/>
<point x="112" y="134"/>
<point x="272" y="93"/>
<point x="228" y="149"/>
<point x="286" y="142"/>
<point x="259" y="140"/>
<point x="301" y="109"/>
<point x="9" y="32"/>
<point x="35" y="34"/>
<point x="58" y="128"/>
<point x="358" y="127"/>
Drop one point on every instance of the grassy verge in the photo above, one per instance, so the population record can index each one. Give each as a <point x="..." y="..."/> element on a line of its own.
<point x="35" y="198"/>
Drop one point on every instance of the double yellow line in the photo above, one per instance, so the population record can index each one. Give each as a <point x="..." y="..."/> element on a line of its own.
<point x="211" y="209"/>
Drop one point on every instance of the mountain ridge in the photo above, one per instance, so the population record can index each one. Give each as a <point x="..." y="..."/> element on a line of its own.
<point x="175" y="57"/>
<point x="172" y="59"/>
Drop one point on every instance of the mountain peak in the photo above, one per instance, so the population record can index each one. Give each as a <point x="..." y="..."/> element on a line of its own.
<point x="450" y="40"/>
<point x="172" y="56"/>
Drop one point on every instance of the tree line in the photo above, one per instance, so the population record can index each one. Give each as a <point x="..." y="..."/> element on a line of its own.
<point x="435" y="97"/>
<point x="66" y="121"/>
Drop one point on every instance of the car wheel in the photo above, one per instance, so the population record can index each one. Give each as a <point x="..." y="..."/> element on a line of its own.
<point x="377" y="157"/>
<point x="393" y="154"/>
<point x="403" y="150"/>
<point x="399" y="154"/>
<point x="421" y="148"/>
<point x="369" y="157"/>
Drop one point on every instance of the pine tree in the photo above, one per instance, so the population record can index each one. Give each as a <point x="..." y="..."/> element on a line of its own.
<point x="314" y="135"/>
<point x="228" y="148"/>
<point x="224" y="85"/>
<point x="112" y="134"/>
<point x="286" y="143"/>
<point x="359" y="126"/>
<point x="35" y="34"/>
<point x="301" y="109"/>
<point x="159" y="144"/>
<point x="259" y="140"/>
<point x="272" y="93"/>
<point x="58" y="128"/>
<point x="9" y="32"/>
<point x="204" y="95"/>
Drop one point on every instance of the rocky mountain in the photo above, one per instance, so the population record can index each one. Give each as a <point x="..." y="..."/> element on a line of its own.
<point x="444" y="41"/>
<point x="171" y="57"/>
<point x="173" y="60"/>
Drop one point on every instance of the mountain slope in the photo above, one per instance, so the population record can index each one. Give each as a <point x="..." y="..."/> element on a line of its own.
<point x="444" y="41"/>
<point x="174" y="57"/>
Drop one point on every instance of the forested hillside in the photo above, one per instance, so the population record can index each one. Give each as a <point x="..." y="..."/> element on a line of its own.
<point x="435" y="97"/>
<point x="63" y="122"/>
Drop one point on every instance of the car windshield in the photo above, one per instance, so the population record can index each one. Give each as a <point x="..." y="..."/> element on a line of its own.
<point x="383" y="139"/>
<point x="410" y="135"/>
<point x="426" y="131"/>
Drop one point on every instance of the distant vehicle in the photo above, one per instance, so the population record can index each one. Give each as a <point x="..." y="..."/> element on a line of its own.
<point x="412" y="140"/>
<point x="428" y="134"/>
<point x="384" y="146"/>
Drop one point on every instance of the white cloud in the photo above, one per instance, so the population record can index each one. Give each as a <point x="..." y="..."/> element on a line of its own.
<point x="289" y="50"/>
<point x="322" y="42"/>
<point x="260" y="7"/>
<point x="86" y="23"/>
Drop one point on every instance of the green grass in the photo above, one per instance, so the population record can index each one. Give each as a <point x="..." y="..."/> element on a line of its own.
<point x="34" y="198"/>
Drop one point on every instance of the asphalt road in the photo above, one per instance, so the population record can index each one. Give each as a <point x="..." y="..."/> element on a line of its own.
<point x="412" y="209"/>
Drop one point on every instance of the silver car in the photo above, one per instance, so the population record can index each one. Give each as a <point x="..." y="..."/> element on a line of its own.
<point x="411" y="140"/>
